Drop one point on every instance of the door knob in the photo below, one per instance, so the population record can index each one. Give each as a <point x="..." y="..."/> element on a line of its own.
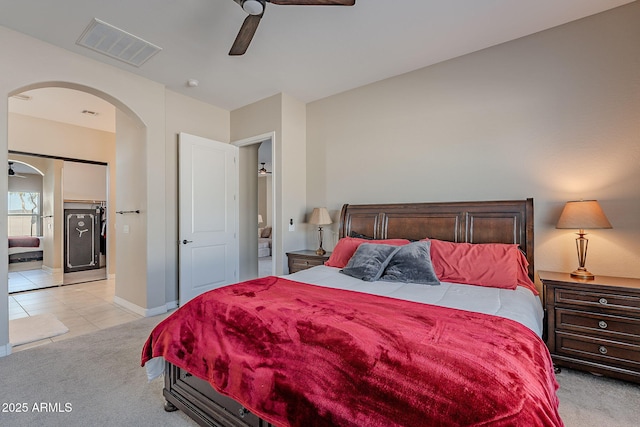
<point x="185" y="241"/>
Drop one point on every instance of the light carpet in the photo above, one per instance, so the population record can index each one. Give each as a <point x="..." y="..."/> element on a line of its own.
<point x="89" y="380"/>
<point x="34" y="328"/>
<point x="96" y="380"/>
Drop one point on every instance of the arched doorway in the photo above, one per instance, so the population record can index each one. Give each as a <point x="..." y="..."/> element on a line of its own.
<point x="128" y="142"/>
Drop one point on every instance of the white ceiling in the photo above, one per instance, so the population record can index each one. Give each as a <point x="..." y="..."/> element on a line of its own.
<point x="308" y="52"/>
<point x="66" y="106"/>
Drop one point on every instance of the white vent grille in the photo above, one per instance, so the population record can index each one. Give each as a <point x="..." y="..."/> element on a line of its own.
<point x="116" y="43"/>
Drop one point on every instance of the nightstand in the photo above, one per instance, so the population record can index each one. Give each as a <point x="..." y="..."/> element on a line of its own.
<point x="301" y="260"/>
<point x="593" y="325"/>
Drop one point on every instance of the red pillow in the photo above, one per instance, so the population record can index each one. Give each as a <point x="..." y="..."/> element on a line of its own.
<point x="496" y="265"/>
<point x="523" y="274"/>
<point x="347" y="246"/>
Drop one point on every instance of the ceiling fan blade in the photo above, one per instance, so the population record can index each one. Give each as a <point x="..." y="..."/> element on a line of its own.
<point x="243" y="39"/>
<point x="314" y="2"/>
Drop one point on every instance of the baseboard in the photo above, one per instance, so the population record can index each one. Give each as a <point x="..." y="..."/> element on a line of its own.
<point x="23" y="266"/>
<point x="5" y="350"/>
<point x="145" y="312"/>
<point x="51" y="270"/>
<point x="172" y="305"/>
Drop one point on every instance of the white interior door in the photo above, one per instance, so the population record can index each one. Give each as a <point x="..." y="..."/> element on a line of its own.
<point x="208" y="215"/>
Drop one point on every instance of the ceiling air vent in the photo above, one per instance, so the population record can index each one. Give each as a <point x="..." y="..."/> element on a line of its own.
<point x="116" y="43"/>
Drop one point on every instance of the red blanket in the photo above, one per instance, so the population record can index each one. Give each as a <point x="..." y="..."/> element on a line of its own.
<point x="305" y="355"/>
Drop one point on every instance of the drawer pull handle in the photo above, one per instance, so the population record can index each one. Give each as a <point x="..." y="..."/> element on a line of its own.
<point x="242" y="412"/>
<point x="603" y="350"/>
<point x="603" y="324"/>
<point x="603" y="301"/>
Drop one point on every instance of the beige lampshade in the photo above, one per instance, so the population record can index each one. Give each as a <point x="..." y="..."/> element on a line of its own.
<point x="583" y="214"/>
<point x="320" y="216"/>
<point x="259" y="219"/>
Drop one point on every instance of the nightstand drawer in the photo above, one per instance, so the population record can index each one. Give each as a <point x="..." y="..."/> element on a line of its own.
<point x="614" y="327"/>
<point x="603" y="301"/>
<point x="301" y="264"/>
<point x="301" y="260"/>
<point x="599" y="350"/>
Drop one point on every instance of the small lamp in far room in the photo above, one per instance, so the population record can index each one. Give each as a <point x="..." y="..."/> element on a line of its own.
<point x="581" y="215"/>
<point x="259" y="219"/>
<point x="320" y="217"/>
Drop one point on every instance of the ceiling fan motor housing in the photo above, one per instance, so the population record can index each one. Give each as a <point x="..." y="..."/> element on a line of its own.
<point x="253" y="7"/>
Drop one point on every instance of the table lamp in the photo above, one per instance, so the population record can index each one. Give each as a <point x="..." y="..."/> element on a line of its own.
<point x="320" y="217"/>
<point x="581" y="215"/>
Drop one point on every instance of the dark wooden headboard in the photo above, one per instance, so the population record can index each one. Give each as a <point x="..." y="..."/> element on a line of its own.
<point x="509" y="221"/>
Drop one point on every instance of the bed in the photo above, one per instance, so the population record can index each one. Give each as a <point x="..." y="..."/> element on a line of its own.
<point x="321" y="347"/>
<point x="24" y="249"/>
<point x="264" y="242"/>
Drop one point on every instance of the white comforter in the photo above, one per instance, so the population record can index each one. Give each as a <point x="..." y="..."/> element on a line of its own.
<point x="520" y="304"/>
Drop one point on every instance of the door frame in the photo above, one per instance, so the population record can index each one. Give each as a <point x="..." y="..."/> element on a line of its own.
<point x="275" y="232"/>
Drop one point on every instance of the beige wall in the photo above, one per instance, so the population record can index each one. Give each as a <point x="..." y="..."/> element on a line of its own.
<point x="286" y="118"/>
<point x="54" y="225"/>
<point x="84" y="181"/>
<point x="553" y="116"/>
<point x="264" y="200"/>
<point x="248" y="203"/>
<point x="131" y="229"/>
<point x="40" y="136"/>
<point x="293" y="196"/>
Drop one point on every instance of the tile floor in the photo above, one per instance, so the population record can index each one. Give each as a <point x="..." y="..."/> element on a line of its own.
<point x="37" y="278"/>
<point x="83" y="308"/>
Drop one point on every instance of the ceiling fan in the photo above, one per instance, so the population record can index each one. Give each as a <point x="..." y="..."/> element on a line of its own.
<point x="255" y="9"/>
<point x="263" y="170"/>
<point x="12" y="173"/>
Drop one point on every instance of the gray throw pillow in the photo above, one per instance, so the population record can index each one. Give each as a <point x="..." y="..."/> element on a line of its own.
<point x="411" y="264"/>
<point x="369" y="261"/>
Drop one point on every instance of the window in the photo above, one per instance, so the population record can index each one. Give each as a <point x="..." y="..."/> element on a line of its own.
<point x="24" y="214"/>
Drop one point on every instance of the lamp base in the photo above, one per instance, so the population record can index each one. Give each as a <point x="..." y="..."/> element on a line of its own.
<point x="582" y="273"/>
<point x="320" y="251"/>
